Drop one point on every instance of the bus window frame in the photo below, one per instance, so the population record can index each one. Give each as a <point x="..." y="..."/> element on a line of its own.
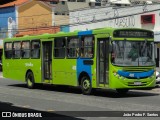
<point x="8" y="50"/>
<point x="67" y="47"/>
<point x="59" y="47"/>
<point x="26" y="49"/>
<point x="93" y="46"/>
<point x="13" y="50"/>
<point x="35" y="40"/>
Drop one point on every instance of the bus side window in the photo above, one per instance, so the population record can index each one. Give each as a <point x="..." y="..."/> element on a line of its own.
<point x="35" y="50"/>
<point x="16" y="49"/>
<point x="73" y="47"/>
<point x="25" y="51"/>
<point x="59" y="47"/>
<point x="87" y="46"/>
<point x="8" y="50"/>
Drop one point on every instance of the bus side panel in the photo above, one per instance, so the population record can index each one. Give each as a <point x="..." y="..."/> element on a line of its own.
<point x="17" y="71"/>
<point x="64" y="72"/>
<point x="13" y="69"/>
<point x="17" y="68"/>
<point x="35" y="66"/>
<point x="70" y="73"/>
<point x="7" y="68"/>
<point x="81" y="67"/>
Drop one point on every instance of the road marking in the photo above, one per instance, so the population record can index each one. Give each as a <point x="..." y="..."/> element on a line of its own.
<point x="26" y="106"/>
<point x="50" y="110"/>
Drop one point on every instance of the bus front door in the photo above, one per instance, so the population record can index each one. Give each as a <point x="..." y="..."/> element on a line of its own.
<point x="47" y="60"/>
<point x="103" y="61"/>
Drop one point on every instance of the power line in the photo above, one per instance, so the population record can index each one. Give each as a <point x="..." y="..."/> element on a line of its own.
<point x="77" y="9"/>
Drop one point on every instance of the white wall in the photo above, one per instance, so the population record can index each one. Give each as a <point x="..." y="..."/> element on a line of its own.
<point x="112" y="17"/>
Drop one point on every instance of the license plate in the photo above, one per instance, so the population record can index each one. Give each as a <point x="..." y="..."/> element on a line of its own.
<point x="137" y="83"/>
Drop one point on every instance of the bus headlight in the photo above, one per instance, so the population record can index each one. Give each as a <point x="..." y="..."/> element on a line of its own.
<point x="122" y="78"/>
<point x="118" y="76"/>
<point x="114" y="73"/>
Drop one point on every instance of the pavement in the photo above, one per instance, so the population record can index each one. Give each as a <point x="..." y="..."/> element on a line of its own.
<point x="1" y="76"/>
<point x="157" y="88"/>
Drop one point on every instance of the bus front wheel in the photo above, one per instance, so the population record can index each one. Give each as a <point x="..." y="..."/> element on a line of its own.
<point x="122" y="91"/>
<point x="86" y="85"/>
<point x="30" y="80"/>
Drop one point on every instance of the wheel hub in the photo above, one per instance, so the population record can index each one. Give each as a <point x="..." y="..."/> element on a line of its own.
<point x="29" y="82"/>
<point x="86" y="84"/>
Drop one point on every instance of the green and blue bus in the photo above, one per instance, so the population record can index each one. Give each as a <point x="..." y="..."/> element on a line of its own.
<point x="101" y="58"/>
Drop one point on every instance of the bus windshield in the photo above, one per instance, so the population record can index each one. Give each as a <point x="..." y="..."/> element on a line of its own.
<point x="133" y="53"/>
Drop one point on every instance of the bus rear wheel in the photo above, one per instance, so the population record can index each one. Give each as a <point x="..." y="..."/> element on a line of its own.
<point x="30" y="80"/>
<point x="86" y="85"/>
<point x="122" y="91"/>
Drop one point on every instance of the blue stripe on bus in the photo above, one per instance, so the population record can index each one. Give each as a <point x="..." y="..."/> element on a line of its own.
<point x="89" y="32"/>
<point x="136" y="74"/>
<point x="83" y="68"/>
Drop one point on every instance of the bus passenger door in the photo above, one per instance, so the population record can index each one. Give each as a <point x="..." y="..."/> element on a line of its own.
<point x="47" y="60"/>
<point x="103" y="61"/>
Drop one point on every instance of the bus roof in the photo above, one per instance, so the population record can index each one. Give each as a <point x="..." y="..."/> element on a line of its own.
<point x="42" y="36"/>
<point x="107" y="30"/>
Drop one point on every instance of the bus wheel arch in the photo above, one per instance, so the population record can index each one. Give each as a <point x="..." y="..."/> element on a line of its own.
<point x="85" y="83"/>
<point x="30" y="79"/>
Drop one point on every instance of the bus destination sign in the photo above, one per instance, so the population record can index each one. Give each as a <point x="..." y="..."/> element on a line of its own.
<point x="133" y="34"/>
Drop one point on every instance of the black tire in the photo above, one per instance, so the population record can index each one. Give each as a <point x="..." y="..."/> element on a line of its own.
<point x="86" y="86"/>
<point x="122" y="91"/>
<point x="30" y="80"/>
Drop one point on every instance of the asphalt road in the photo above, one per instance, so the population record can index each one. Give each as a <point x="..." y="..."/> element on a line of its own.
<point x="57" y="100"/>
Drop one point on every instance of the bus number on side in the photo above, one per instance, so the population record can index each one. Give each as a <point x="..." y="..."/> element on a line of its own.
<point x="29" y="64"/>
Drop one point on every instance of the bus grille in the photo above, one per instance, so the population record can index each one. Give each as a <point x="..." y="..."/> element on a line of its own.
<point x="132" y="84"/>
